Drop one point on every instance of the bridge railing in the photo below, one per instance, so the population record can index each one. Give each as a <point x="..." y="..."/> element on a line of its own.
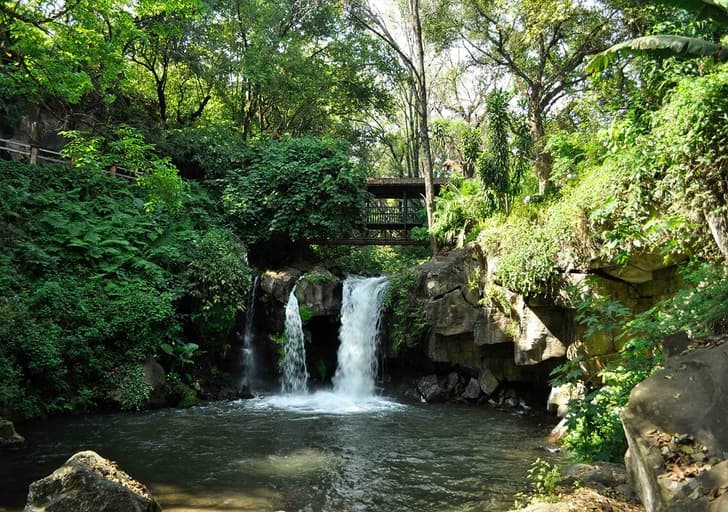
<point x="395" y="215"/>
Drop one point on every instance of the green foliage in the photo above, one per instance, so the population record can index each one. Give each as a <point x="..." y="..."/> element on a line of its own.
<point x="90" y="282"/>
<point x="130" y="388"/>
<point x="373" y="260"/>
<point x="156" y="175"/>
<point x="408" y="326"/>
<point x="498" y="169"/>
<point x="660" y="45"/>
<point x="543" y="479"/>
<point x="296" y="189"/>
<point x="458" y="208"/>
<point x="700" y="308"/>
<point x="218" y="277"/>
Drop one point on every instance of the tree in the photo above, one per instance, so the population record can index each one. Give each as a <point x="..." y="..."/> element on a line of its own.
<point x="294" y="190"/>
<point x="413" y="62"/>
<point x="167" y="49"/>
<point x="294" y="68"/>
<point x="542" y="44"/>
<point x="65" y="58"/>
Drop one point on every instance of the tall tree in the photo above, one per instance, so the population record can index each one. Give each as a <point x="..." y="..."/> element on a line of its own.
<point x="412" y="60"/>
<point x="542" y="44"/>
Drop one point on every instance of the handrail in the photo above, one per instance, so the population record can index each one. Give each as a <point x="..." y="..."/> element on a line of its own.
<point x="35" y="153"/>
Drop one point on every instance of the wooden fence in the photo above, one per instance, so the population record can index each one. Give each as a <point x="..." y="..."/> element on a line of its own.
<point x="35" y="155"/>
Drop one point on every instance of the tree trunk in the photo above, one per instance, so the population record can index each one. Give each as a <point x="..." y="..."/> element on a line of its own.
<point x="422" y="111"/>
<point x="541" y="157"/>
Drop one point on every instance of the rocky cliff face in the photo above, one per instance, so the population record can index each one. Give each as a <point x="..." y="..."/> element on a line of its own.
<point x="506" y="340"/>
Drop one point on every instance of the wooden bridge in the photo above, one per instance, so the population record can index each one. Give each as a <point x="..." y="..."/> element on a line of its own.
<point x="395" y="207"/>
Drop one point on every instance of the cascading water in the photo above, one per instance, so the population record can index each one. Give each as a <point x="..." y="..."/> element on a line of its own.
<point x="248" y="354"/>
<point x="295" y="376"/>
<point x="361" y="313"/>
<point x="353" y="392"/>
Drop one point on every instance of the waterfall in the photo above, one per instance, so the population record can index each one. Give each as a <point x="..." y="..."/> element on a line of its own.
<point x="295" y="375"/>
<point x="248" y="355"/>
<point x="361" y="313"/>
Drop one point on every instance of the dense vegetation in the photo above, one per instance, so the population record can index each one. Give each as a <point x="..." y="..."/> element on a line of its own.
<point x="252" y="124"/>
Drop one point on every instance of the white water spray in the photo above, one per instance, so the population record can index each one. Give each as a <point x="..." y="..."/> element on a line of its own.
<point x="361" y="314"/>
<point x="295" y="376"/>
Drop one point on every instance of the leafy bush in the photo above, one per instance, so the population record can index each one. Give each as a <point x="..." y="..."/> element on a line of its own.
<point x="700" y="308"/>
<point x="295" y="190"/>
<point x="458" y="209"/>
<point x="90" y="282"/>
<point x="409" y="325"/>
<point x="218" y="277"/>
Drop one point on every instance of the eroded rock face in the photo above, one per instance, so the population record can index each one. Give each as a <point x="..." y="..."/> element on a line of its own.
<point x="89" y="483"/>
<point x="279" y="283"/>
<point x="677" y="429"/>
<point x="451" y="314"/>
<point x="537" y="341"/>
<point x="320" y="290"/>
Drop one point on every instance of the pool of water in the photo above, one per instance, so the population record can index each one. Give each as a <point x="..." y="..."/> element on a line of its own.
<point x="312" y="453"/>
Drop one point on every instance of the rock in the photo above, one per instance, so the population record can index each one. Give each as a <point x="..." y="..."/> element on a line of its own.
<point x="676" y="426"/>
<point x="156" y="378"/>
<point x="472" y="390"/>
<point x="458" y="350"/>
<point x="320" y="290"/>
<point x="430" y="389"/>
<point x="558" y="432"/>
<point x="639" y="269"/>
<point x="279" y="283"/>
<point x="559" y="397"/>
<point x="493" y="328"/>
<point x="89" y="483"/>
<point x="453" y="382"/>
<point x="536" y="341"/>
<point x="452" y="314"/>
<point x="545" y="507"/>
<point x="674" y="344"/>
<point x="487" y="381"/>
<point x="607" y="474"/>
<point x="10" y="440"/>
<point x="444" y="273"/>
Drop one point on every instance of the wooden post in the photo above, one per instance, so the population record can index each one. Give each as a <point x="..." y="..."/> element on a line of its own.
<point x="33" y="155"/>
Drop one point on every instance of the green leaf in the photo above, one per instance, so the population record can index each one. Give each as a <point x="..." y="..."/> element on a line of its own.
<point x="658" y="45"/>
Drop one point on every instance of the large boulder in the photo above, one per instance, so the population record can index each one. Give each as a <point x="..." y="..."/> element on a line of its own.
<point x="156" y="378"/>
<point x="88" y="482"/>
<point x="677" y="429"/>
<point x="320" y="290"/>
<point x="538" y="337"/>
<point x="430" y="389"/>
<point x="279" y="283"/>
<point x="9" y="438"/>
<point x="447" y="272"/>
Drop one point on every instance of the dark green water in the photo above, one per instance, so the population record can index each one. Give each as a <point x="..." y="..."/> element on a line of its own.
<point x="258" y="456"/>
